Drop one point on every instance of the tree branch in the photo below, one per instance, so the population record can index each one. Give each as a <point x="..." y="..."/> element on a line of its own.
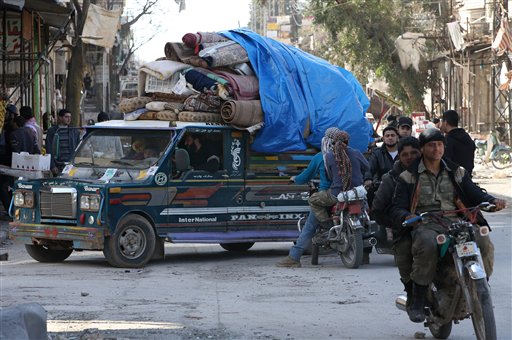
<point x="145" y="10"/>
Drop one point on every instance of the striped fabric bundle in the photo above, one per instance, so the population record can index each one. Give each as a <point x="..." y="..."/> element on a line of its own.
<point x="503" y="40"/>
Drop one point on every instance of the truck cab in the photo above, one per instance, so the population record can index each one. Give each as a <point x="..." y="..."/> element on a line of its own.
<point x="132" y="185"/>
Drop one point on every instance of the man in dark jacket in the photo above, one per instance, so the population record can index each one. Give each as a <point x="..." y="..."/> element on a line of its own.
<point x="460" y="148"/>
<point x="382" y="159"/>
<point x="22" y="139"/>
<point x="433" y="183"/>
<point x="65" y="139"/>
<point x="408" y="152"/>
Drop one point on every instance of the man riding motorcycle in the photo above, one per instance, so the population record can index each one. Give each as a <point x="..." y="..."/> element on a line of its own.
<point x="432" y="184"/>
<point x="315" y="167"/>
<point x="408" y="152"/>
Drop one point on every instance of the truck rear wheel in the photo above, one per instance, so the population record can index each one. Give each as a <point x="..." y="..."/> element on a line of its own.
<point x="133" y="243"/>
<point x="47" y="254"/>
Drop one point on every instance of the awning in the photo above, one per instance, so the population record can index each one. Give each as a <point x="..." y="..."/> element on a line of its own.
<point x="52" y="13"/>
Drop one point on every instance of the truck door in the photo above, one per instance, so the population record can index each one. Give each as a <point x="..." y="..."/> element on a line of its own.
<point x="203" y="192"/>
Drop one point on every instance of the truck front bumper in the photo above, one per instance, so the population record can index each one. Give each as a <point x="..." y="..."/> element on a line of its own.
<point x="82" y="237"/>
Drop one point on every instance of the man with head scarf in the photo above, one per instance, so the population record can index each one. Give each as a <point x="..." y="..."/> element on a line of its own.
<point x="345" y="167"/>
<point x="315" y="168"/>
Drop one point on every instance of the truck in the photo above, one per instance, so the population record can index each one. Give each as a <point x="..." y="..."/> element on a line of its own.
<point x="130" y="187"/>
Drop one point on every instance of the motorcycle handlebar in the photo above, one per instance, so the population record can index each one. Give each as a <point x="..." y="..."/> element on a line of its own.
<point x="485" y="206"/>
<point x="412" y="220"/>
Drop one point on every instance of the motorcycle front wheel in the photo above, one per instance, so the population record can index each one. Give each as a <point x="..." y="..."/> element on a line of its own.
<point x="502" y="159"/>
<point x="353" y="256"/>
<point x="483" y="314"/>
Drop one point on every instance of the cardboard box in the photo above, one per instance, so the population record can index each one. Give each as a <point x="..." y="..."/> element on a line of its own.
<point x="26" y="161"/>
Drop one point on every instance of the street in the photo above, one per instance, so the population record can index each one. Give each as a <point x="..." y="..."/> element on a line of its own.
<point x="205" y="292"/>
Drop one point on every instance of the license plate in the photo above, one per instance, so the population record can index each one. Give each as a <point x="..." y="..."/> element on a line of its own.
<point x="466" y="249"/>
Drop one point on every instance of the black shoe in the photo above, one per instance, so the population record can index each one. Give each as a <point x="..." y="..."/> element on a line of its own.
<point x="416" y="310"/>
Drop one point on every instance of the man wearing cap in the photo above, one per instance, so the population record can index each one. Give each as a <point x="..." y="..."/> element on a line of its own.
<point x="433" y="183"/>
<point x="460" y="147"/>
<point x="404" y="127"/>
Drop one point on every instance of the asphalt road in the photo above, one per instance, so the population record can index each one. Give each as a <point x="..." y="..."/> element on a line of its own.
<point x="205" y="292"/>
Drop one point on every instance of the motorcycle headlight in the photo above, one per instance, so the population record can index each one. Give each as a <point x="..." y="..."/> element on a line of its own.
<point x="90" y="202"/>
<point x="24" y="199"/>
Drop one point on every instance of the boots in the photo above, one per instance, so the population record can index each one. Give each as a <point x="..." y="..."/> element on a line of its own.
<point x="408" y="291"/>
<point x="416" y="310"/>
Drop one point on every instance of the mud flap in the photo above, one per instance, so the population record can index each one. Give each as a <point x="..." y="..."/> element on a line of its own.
<point x="159" y="253"/>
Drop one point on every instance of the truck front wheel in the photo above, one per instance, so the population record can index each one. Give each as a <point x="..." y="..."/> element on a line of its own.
<point x="133" y="243"/>
<point x="47" y="254"/>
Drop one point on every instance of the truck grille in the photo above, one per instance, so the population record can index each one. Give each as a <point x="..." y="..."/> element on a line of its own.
<point x="59" y="202"/>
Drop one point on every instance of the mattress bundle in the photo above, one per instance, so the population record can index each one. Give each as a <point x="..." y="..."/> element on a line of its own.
<point x="204" y="78"/>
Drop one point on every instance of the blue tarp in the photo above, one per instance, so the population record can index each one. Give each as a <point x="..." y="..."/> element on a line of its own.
<point x="297" y="87"/>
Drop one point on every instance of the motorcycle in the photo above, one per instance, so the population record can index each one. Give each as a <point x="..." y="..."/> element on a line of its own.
<point x="492" y="150"/>
<point x="460" y="289"/>
<point x="352" y="230"/>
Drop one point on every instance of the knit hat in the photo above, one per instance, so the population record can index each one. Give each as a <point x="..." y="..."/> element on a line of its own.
<point x="341" y="136"/>
<point x="405" y="121"/>
<point x="430" y="135"/>
<point x="11" y="108"/>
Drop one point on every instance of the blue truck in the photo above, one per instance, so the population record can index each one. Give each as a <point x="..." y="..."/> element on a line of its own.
<point x="130" y="187"/>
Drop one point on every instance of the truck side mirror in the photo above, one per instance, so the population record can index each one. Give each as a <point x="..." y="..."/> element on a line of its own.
<point x="182" y="160"/>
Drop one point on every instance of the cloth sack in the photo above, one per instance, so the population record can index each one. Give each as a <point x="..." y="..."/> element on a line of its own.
<point x="355" y="194"/>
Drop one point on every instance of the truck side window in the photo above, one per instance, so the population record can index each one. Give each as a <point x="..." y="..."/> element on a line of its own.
<point x="204" y="150"/>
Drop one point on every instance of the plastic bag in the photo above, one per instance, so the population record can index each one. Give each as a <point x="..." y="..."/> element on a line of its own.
<point x="181" y="87"/>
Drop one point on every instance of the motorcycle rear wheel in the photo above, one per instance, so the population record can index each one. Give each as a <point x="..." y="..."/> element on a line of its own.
<point x="482" y="317"/>
<point x="502" y="159"/>
<point x="440" y="331"/>
<point x="353" y="256"/>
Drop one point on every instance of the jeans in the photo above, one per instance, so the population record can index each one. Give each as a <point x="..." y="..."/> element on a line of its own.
<point x="305" y="237"/>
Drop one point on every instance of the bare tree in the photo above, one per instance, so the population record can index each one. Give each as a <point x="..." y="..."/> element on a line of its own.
<point x="77" y="63"/>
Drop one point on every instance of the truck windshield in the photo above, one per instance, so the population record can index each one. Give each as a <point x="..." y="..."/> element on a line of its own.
<point x="130" y="150"/>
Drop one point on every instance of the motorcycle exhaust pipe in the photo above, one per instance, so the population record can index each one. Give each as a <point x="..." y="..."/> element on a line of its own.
<point x="370" y="242"/>
<point x="400" y="302"/>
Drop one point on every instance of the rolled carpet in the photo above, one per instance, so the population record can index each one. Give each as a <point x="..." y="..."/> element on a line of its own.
<point x="243" y="113"/>
<point x="189" y="116"/>
<point x="167" y="115"/>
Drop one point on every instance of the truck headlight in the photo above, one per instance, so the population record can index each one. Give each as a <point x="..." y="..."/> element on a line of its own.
<point x="24" y="199"/>
<point x="19" y="199"/>
<point x="90" y="202"/>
